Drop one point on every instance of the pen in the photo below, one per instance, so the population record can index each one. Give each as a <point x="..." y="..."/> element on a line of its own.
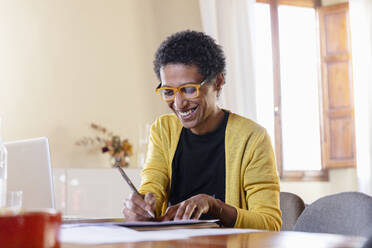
<point x="131" y="185"/>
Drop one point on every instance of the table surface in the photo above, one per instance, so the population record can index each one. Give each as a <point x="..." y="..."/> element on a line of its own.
<point x="256" y="239"/>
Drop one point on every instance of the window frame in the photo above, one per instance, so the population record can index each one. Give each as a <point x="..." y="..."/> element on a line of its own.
<point x="300" y="175"/>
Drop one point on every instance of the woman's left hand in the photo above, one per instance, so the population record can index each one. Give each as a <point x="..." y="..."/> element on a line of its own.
<point x="195" y="206"/>
<point x="191" y="208"/>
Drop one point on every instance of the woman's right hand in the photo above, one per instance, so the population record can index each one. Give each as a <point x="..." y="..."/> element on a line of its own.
<point x="137" y="207"/>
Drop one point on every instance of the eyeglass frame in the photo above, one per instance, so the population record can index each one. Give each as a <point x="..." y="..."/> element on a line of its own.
<point x="178" y="89"/>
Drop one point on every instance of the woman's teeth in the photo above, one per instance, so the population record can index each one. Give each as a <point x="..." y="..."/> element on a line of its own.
<point x="186" y="113"/>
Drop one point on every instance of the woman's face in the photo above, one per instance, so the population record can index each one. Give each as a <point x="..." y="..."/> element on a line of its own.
<point x="196" y="114"/>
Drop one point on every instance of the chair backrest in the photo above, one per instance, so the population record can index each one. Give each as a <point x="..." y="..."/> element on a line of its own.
<point x="348" y="213"/>
<point x="291" y="206"/>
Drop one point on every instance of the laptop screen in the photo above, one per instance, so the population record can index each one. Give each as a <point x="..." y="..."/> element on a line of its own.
<point x="29" y="170"/>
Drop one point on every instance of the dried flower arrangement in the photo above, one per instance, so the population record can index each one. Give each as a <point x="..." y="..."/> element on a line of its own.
<point x="119" y="149"/>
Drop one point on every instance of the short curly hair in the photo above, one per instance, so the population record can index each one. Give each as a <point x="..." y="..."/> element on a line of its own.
<point x="191" y="48"/>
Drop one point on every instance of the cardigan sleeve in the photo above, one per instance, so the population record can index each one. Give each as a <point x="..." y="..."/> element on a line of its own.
<point x="261" y="187"/>
<point x="155" y="176"/>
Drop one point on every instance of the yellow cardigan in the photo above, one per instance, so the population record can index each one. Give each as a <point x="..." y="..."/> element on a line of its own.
<point x="252" y="183"/>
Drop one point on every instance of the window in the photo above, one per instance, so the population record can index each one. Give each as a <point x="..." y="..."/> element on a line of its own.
<point x="296" y="84"/>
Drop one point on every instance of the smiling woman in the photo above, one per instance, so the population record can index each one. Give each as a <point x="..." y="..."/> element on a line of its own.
<point x="228" y="158"/>
<point x="66" y="64"/>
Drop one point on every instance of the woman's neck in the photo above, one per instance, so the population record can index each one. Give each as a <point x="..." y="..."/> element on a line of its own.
<point x="210" y="124"/>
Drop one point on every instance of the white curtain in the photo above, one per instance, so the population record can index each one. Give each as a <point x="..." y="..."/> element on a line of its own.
<point x="361" y="40"/>
<point x="230" y="23"/>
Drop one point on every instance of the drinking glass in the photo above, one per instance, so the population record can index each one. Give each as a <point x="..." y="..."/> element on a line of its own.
<point x="14" y="201"/>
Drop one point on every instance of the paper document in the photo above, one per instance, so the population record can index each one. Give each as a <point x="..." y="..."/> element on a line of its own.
<point x="146" y="225"/>
<point x="94" y="234"/>
<point x="104" y="234"/>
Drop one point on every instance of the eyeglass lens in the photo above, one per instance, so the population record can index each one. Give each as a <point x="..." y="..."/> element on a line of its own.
<point x="186" y="91"/>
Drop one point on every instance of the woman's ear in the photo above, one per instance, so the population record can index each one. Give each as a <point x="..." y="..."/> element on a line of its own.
<point x="220" y="81"/>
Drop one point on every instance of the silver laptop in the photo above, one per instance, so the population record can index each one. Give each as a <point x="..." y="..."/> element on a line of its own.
<point x="29" y="170"/>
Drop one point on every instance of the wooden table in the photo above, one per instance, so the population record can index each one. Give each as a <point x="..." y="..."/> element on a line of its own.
<point x="249" y="240"/>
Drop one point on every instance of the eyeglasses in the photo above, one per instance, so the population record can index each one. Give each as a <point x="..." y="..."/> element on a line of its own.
<point x="187" y="91"/>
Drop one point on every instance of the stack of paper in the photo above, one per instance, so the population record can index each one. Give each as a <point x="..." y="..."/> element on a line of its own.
<point x="100" y="233"/>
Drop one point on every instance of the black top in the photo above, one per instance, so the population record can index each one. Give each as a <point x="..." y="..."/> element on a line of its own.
<point x="198" y="165"/>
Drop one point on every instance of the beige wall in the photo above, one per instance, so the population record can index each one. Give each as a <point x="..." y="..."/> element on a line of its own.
<point x="65" y="64"/>
<point x="339" y="180"/>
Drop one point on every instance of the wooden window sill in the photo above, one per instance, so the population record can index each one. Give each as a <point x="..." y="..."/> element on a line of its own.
<point x="304" y="176"/>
